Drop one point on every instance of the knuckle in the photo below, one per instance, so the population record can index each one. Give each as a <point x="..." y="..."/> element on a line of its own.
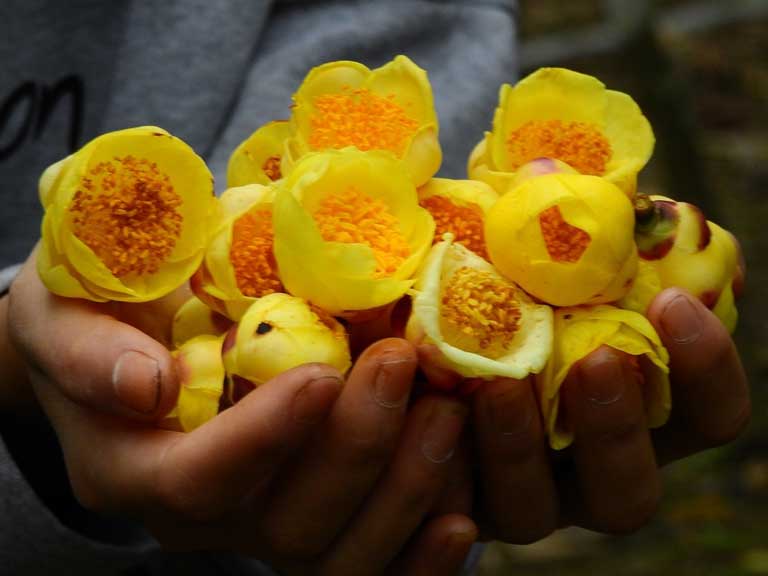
<point x="180" y="494"/>
<point x="369" y="448"/>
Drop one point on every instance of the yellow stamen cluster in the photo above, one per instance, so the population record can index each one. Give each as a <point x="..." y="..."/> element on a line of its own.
<point x="271" y="168"/>
<point x="252" y="256"/>
<point x="565" y="243"/>
<point x="127" y="211"/>
<point x="580" y="144"/>
<point x="355" y="218"/>
<point x="465" y="222"/>
<point x="481" y="306"/>
<point x="362" y="119"/>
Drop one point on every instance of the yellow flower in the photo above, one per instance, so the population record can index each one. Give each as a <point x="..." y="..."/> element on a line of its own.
<point x="344" y="103"/>
<point x="679" y="247"/>
<point x="127" y="217"/>
<point x="484" y="325"/>
<point x="257" y="159"/>
<point x="578" y="332"/>
<point x="277" y="333"/>
<point x="566" y="239"/>
<point x="459" y="207"/>
<point x="239" y="265"/>
<point x="194" y="318"/>
<point x="201" y="376"/>
<point x="561" y="114"/>
<point x="349" y="231"/>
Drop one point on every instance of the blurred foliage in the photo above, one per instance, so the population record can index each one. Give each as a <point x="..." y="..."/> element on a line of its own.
<point x="706" y="94"/>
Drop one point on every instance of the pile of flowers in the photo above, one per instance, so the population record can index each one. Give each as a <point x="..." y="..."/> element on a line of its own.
<point x="335" y="216"/>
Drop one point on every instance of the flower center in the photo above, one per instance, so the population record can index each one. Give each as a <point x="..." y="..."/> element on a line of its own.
<point x="127" y="212"/>
<point x="271" y="168"/>
<point x="355" y="218"/>
<point x="362" y="119"/>
<point x="565" y="243"/>
<point x="580" y="144"/>
<point x="252" y="256"/>
<point x="480" y="311"/>
<point x="465" y="222"/>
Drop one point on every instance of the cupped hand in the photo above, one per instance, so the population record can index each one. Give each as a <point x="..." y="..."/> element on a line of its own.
<point x="608" y="480"/>
<point x="310" y="472"/>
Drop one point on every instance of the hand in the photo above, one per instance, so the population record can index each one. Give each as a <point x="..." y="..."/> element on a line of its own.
<point x="309" y="474"/>
<point x="609" y="479"/>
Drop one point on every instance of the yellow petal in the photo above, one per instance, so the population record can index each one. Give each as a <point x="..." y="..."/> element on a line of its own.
<point x="280" y="332"/>
<point x="390" y="108"/>
<point x="257" y="159"/>
<point x="129" y="213"/>
<point x="580" y="331"/>
<point x="468" y="350"/>
<point x="201" y="374"/>
<point x="584" y="252"/>
<point x="344" y="275"/>
<point x="608" y="124"/>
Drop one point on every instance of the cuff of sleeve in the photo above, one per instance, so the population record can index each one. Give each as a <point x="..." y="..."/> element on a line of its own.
<point x="6" y="277"/>
<point x="41" y="542"/>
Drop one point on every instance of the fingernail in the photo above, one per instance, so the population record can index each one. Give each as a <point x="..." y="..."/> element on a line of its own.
<point x="136" y="381"/>
<point x="389" y="390"/>
<point x="438" y="441"/>
<point x="462" y="538"/>
<point x="312" y="402"/>
<point x="602" y="377"/>
<point x="510" y="413"/>
<point x="681" y="321"/>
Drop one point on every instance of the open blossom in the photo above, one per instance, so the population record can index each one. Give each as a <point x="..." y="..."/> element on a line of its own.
<point x="127" y="217"/>
<point x="459" y="207"/>
<point x="560" y="114"/>
<point x="482" y="324"/>
<point x="578" y="332"/>
<point x="567" y="239"/>
<point x="349" y="231"/>
<point x="343" y="104"/>
<point x="258" y="159"/>
<point x="239" y="265"/>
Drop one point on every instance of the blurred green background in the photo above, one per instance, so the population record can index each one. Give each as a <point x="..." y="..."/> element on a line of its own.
<point x="699" y="70"/>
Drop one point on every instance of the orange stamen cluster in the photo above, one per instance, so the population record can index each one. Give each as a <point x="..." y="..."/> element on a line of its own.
<point x="252" y="256"/>
<point x="271" y="168"/>
<point x="465" y="222"/>
<point x="355" y="218"/>
<point x="565" y="243"/>
<point x="127" y="212"/>
<point x="482" y="306"/>
<point x="362" y="119"/>
<point x="579" y="144"/>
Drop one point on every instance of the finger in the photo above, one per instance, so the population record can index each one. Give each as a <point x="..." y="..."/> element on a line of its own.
<point x="440" y="548"/>
<point x="519" y="498"/>
<point x="618" y="481"/>
<point x="96" y="360"/>
<point x="408" y="490"/>
<point x="457" y="496"/>
<point x="224" y="465"/>
<point x="439" y="377"/>
<point x="710" y="393"/>
<point x="333" y="477"/>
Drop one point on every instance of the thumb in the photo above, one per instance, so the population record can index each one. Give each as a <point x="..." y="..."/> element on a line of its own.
<point x="91" y="357"/>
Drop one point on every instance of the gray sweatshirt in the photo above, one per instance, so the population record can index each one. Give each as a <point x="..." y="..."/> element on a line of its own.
<point x="209" y="72"/>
